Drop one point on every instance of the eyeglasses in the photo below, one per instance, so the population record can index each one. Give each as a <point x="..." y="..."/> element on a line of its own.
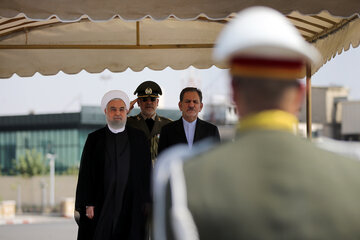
<point x="145" y="99"/>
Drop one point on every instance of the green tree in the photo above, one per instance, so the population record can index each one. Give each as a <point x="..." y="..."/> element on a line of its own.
<point x="31" y="164"/>
<point x="74" y="170"/>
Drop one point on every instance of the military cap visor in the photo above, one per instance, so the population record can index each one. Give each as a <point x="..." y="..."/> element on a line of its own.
<point x="145" y="96"/>
<point x="148" y="89"/>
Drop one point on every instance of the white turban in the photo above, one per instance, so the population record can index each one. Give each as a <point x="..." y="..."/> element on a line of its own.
<point x="113" y="94"/>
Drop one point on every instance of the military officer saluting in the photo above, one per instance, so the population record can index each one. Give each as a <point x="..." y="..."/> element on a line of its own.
<point x="147" y="120"/>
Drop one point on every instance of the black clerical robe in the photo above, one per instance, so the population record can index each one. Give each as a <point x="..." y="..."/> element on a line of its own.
<point x="114" y="177"/>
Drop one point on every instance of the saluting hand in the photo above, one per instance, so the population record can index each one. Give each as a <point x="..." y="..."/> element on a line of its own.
<point x="132" y="105"/>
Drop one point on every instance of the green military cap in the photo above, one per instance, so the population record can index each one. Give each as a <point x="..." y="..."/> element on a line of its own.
<point x="148" y="89"/>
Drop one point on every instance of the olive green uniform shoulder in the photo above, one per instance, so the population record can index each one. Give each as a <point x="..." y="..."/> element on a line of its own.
<point x="287" y="169"/>
<point x="165" y="119"/>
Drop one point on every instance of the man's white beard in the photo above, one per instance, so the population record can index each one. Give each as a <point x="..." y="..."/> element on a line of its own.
<point x="116" y="124"/>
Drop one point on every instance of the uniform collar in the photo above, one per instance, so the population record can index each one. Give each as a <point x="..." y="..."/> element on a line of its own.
<point x="144" y="117"/>
<point x="270" y="120"/>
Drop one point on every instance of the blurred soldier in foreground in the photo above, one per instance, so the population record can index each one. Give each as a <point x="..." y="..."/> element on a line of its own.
<point x="268" y="183"/>
<point x="147" y="120"/>
<point x="113" y="189"/>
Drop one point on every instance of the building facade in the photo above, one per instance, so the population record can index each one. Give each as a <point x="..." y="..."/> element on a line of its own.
<point x="63" y="135"/>
<point x="333" y="115"/>
<point x="325" y="111"/>
<point x="350" y="120"/>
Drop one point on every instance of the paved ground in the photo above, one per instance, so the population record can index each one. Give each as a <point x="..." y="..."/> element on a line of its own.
<point x="38" y="227"/>
<point x="33" y="218"/>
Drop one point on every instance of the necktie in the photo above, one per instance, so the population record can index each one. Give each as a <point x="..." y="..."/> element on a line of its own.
<point x="150" y="123"/>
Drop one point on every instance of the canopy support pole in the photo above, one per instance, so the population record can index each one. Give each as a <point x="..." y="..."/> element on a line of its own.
<point x="308" y="102"/>
<point x="137" y="33"/>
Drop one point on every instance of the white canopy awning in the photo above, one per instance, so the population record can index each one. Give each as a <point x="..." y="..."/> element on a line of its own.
<point x="72" y="10"/>
<point x="72" y="35"/>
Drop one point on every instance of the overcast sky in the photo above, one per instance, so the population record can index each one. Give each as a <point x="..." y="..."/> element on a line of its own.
<point x="66" y="93"/>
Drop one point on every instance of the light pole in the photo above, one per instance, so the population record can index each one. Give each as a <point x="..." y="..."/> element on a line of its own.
<point x="51" y="157"/>
<point x="43" y="186"/>
<point x="19" y="210"/>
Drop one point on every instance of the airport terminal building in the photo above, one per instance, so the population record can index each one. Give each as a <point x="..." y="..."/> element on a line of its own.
<point x="62" y="134"/>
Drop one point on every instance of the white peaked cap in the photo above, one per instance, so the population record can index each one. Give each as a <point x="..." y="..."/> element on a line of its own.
<point x="113" y="94"/>
<point x="262" y="32"/>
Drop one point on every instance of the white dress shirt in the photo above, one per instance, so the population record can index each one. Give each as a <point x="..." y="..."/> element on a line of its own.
<point x="189" y="129"/>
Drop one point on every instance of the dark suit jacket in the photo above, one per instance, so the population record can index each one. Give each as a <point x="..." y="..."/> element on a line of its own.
<point x="173" y="133"/>
<point x="90" y="187"/>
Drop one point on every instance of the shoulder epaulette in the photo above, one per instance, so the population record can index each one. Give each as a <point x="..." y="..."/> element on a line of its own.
<point x="165" y="118"/>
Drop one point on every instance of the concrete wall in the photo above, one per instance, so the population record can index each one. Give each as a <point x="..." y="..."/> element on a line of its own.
<point x="350" y="117"/>
<point x="318" y="111"/>
<point x="31" y="191"/>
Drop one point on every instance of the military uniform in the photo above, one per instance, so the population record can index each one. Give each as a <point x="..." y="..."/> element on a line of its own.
<point x="153" y="137"/>
<point x="268" y="183"/>
<point x="276" y="183"/>
<point x="149" y="90"/>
